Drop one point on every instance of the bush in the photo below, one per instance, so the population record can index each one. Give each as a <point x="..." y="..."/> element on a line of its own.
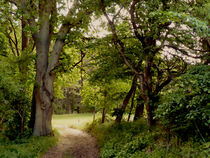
<point x="123" y="140"/>
<point x="15" y="104"/>
<point x="136" y="140"/>
<point x="186" y="107"/>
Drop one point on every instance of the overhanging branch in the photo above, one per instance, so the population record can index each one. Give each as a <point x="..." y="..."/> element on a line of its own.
<point x="118" y="43"/>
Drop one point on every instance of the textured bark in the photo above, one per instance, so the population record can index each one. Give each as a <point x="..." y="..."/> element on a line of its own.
<point x="44" y="108"/>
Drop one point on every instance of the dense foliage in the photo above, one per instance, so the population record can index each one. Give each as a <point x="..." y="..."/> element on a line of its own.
<point x="185" y="106"/>
<point x="136" y="140"/>
<point x="15" y="100"/>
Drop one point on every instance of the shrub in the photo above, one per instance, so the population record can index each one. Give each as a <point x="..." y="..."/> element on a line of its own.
<point x="14" y="105"/>
<point x="136" y="140"/>
<point x="122" y="140"/>
<point x="185" y="109"/>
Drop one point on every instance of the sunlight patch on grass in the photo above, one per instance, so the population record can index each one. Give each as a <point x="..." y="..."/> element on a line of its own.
<point x="77" y="121"/>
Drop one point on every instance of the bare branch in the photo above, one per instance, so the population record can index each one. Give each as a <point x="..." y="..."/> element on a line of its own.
<point x="77" y="63"/>
<point x="15" y="35"/>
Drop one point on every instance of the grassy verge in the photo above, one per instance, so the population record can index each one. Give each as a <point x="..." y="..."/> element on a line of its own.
<point x="136" y="140"/>
<point x="32" y="147"/>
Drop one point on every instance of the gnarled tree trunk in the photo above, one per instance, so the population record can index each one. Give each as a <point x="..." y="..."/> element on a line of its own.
<point x="44" y="108"/>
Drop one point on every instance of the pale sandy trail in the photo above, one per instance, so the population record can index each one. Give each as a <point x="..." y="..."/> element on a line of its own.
<point x="73" y="142"/>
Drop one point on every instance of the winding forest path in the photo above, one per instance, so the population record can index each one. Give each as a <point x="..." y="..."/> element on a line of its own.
<point x="73" y="142"/>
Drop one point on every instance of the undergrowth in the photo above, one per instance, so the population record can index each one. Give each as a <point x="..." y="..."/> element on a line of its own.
<point x="32" y="147"/>
<point x="136" y="140"/>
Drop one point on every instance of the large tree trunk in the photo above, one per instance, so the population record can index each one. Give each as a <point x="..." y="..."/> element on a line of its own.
<point x="44" y="108"/>
<point x="46" y="63"/>
<point x="44" y="80"/>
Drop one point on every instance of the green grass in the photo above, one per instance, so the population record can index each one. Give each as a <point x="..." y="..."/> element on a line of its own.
<point x="77" y="121"/>
<point x="32" y="147"/>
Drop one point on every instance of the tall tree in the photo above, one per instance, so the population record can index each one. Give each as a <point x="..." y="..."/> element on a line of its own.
<point x="165" y="34"/>
<point x="43" y="20"/>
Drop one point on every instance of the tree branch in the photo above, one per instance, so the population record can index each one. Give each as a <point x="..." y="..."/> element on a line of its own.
<point x="15" y="35"/>
<point x="115" y="16"/>
<point x="118" y="43"/>
<point x="159" y="87"/>
<point x="77" y="63"/>
<point x="135" y="28"/>
<point x="60" y="41"/>
<point x="10" y="43"/>
<point x="182" y="51"/>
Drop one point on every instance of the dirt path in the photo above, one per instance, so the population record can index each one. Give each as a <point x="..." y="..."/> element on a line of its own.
<point x="73" y="142"/>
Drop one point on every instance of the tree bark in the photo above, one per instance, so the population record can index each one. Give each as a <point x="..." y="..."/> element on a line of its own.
<point x="104" y="108"/>
<point x="139" y="109"/>
<point x="44" y="108"/>
<point x="132" y="104"/>
<point x="33" y="111"/>
<point x="147" y="90"/>
<point x="126" y="101"/>
<point x="103" y="115"/>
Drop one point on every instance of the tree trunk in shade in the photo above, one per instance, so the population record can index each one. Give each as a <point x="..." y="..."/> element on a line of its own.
<point x="126" y="101"/>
